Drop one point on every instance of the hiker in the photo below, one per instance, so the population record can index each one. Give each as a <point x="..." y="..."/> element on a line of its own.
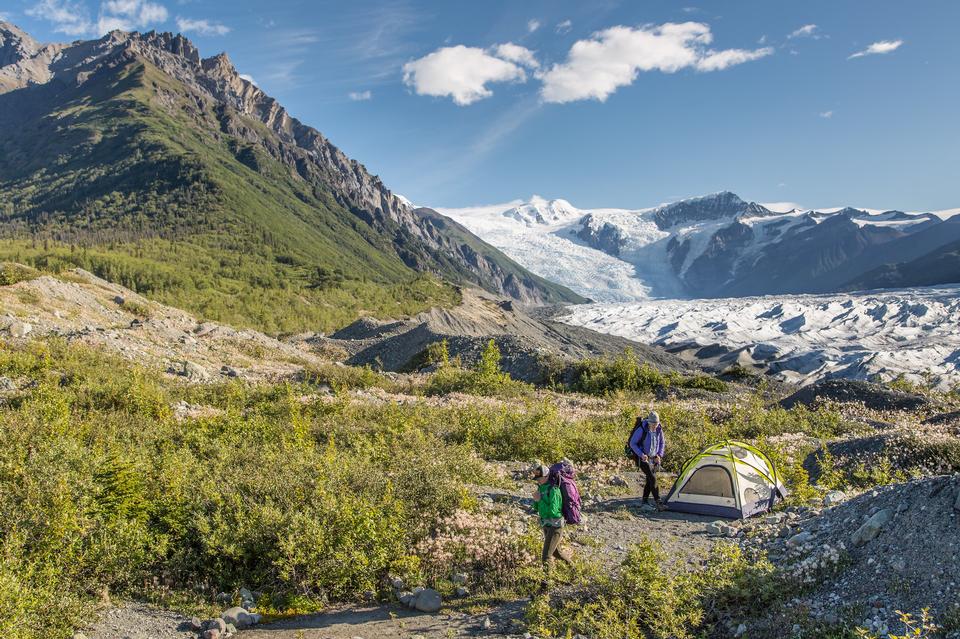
<point x="548" y="501"/>
<point x="646" y="446"/>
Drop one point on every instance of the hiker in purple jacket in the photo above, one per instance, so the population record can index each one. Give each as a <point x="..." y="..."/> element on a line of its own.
<point x="647" y="444"/>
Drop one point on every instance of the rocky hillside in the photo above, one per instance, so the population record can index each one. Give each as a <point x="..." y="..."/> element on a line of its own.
<point x="135" y="146"/>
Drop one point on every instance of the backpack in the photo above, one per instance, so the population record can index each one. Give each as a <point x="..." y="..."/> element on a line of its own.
<point x="563" y="476"/>
<point x="629" y="451"/>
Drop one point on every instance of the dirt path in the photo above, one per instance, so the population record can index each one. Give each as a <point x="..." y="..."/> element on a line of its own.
<point x="611" y="525"/>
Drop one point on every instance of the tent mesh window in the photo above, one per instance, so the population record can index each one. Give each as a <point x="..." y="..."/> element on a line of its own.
<point x="712" y="481"/>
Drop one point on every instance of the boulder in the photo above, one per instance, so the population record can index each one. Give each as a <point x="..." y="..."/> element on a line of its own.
<point x="193" y="371"/>
<point x="20" y="329"/>
<point x="217" y="624"/>
<point x="239" y="617"/>
<point x="800" y="538"/>
<point x="428" y="600"/>
<point x="833" y="498"/>
<point x="872" y="527"/>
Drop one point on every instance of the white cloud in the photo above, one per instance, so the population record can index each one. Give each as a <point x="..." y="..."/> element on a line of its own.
<point x="67" y="17"/>
<point x="360" y="96"/>
<point x="762" y="40"/>
<point x="515" y="53"/>
<point x="533" y="25"/>
<point x="564" y="27"/>
<point x="459" y="72"/>
<point x="806" y="31"/>
<point x="73" y="18"/>
<point x="877" y="48"/>
<point x="720" y="60"/>
<point x="249" y="78"/>
<point x="826" y="114"/>
<point x="203" y="27"/>
<point x="612" y="58"/>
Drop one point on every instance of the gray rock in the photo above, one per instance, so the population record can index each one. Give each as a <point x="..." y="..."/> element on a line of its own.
<point x="460" y="578"/>
<point x="428" y="601"/>
<point x="237" y="616"/>
<point x="20" y="329"/>
<point x="195" y="624"/>
<point x="7" y="384"/>
<point x="774" y="518"/>
<point x="217" y="624"/>
<point x="799" y="539"/>
<point x="231" y="629"/>
<point x="406" y="598"/>
<point x="715" y="528"/>
<point x="230" y="371"/>
<point x="398" y="583"/>
<point x="193" y="371"/>
<point x="833" y="498"/>
<point x="486" y="625"/>
<point x="871" y="528"/>
<point x="462" y="591"/>
<point x="212" y="633"/>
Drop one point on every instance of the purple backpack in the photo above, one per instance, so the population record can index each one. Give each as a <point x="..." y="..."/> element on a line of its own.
<point x="562" y="474"/>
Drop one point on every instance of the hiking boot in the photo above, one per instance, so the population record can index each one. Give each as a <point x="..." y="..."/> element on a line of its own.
<point x="661" y="506"/>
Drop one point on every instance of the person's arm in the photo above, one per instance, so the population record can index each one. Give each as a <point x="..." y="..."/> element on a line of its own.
<point x="556" y="502"/>
<point x="661" y="445"/>
<point x="635" y="442"/>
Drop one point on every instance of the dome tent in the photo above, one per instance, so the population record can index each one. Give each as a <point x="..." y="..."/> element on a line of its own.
<point x="728" y="479"/>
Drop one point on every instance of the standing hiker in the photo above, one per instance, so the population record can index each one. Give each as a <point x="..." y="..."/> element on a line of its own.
<point x="646" y="446"/>
<point x="548" y="501"/>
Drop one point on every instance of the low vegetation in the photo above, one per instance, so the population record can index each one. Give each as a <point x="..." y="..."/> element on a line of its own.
<point x="312" y="496"/>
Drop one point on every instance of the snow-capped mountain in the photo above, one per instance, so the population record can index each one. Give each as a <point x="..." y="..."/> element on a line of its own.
<point x="714" y="246"/>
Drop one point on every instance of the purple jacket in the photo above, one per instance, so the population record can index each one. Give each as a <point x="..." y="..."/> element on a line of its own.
<point x="652" y="445"/>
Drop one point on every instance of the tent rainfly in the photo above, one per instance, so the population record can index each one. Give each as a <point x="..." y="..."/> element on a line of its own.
<point x="728" y="479"/>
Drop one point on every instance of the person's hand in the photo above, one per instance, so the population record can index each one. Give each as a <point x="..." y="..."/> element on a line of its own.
<point x="645" y="458"/>
<point x="536" y="493"/>
<point x="656" y="459"/>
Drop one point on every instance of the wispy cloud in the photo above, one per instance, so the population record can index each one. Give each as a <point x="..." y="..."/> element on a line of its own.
<point x="360" y="96"/>
<point x="826" y="114"/>
<point x="515" y="53"/>
<point x="878" y="48"/>
<point x="533" y="25"/>
<point x="596" y="67"/>
<point x="564" y="27"/>
<point x="249" y="78"/>
<point x="73" y="18"/>
<point x="806" y="31"/>
<point x="203" y="27"/>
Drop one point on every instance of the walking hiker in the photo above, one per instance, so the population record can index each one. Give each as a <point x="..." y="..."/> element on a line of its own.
<point x="646" y="446"/>
<point x="548" y="501"/>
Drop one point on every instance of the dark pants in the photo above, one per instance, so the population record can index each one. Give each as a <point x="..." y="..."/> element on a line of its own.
<point x="552" y="535"/>
<point x="650" y="485"/>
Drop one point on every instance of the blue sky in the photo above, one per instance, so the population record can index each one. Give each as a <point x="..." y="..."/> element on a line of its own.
<point x="621" y="104"/>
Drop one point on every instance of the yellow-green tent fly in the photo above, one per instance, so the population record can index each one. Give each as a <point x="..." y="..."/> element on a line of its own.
<point x="728" y="479"/>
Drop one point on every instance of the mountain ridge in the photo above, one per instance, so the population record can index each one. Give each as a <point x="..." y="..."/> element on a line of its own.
<point x="135" y="136"/>
<point x="713" y="246"/>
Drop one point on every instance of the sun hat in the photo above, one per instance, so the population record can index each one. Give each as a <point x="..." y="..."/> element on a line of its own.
<point x="540" y="471"/>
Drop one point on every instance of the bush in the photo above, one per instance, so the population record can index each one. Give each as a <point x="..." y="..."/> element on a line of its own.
<point x="628" y="373"/>
<point x="485" y="378"/>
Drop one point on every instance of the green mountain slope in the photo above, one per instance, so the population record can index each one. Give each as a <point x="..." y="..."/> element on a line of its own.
<point x="171" y="175"/>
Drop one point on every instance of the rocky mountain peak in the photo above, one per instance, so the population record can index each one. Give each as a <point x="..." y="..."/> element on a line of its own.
<point x="716" y="206"/>
<point x="15" y="44"/>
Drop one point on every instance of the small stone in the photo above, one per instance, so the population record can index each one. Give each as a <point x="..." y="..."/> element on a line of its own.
<point x="428" y="601"/>
<point x="715" y="528"/>
<point x="398" y="583"/>
<point x="230" y="371"/>
<point x="774" y="518"/>
<point x="486" y="625"/>
<point x="462" y="591"/>
<point x="231" y="629"/>
<point x="195" y="624"/>
<point x="212" y="633"/>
